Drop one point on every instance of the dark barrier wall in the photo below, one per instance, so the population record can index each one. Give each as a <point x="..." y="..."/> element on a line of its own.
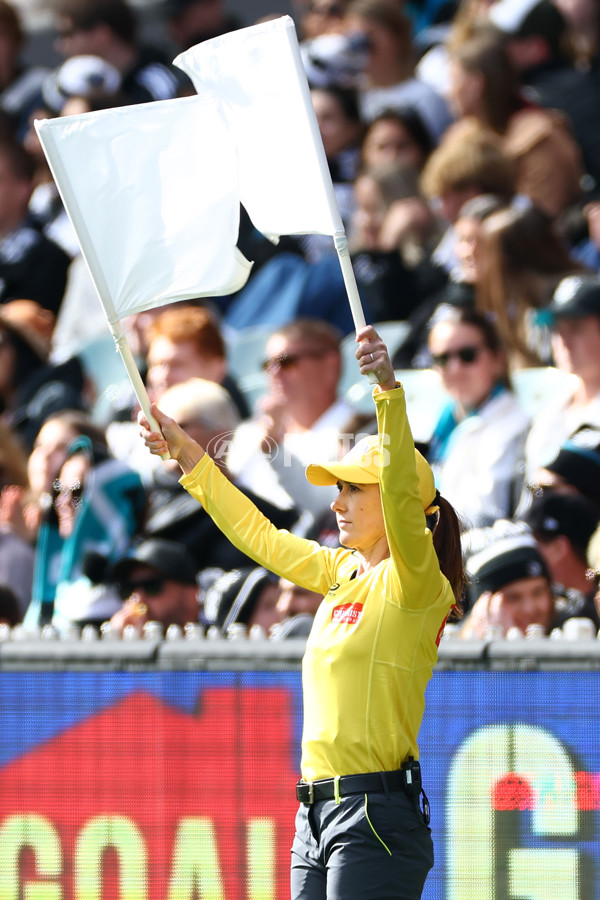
<point x="179" y="785"/>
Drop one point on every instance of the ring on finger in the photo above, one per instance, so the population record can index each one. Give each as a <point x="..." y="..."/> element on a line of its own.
<point x="372" y="357"/>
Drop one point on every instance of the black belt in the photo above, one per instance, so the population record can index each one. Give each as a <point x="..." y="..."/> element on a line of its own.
<point x="407" y="779"/>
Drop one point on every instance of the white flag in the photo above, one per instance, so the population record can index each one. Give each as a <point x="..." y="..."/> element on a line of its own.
<point x="258" y="76"/>
<point x="138" y="182"/>
<point x="153" y="190"/>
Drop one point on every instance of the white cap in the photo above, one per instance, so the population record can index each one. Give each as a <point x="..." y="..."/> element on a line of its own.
<point x="79" y="76"/>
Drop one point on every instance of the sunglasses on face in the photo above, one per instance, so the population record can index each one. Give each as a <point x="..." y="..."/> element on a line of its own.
<point x="68" y="494"/>
<point x="287" y="360"/>
<point x="152" y="587"/>
<point x="466" y="355"/>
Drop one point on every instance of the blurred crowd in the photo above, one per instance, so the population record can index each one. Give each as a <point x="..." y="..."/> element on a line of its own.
<point x="463" y="143"/>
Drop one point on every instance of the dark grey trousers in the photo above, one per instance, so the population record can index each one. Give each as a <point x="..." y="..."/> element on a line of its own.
<point x="367" y="847"/>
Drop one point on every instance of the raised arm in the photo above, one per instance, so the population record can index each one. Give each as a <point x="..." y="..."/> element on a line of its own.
<point x="302" y="561"/>
<point x="410" y="543"/>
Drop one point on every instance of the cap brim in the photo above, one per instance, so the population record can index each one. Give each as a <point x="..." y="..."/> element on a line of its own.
<point x="331" y="474"/>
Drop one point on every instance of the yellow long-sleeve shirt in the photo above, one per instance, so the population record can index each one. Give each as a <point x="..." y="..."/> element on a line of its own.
<point x="373" y="643"/>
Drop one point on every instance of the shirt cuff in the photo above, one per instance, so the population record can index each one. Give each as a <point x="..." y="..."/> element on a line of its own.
<point x="204" y="463"/>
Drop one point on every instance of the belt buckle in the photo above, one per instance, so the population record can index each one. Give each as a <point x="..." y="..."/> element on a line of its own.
<point x="311" y="792"/>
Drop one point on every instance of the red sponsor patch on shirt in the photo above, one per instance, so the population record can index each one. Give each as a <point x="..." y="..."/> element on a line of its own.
<point x="349" y="613"/>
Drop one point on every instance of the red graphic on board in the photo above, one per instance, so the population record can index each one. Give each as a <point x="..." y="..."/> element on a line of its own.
<point x="156" y="766"/>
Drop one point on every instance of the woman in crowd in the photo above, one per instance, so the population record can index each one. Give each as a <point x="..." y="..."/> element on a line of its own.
<point x="459" y="290"/>
<point x="389" y="80"/>
<point x="97" y="508"/>
<point x="478" y="441"/>
<point x="484" y="83"/>
<point x="523" y="257"/>
<point x="397" y="136"/>
<point x="341" y="129"/>
<point x="360" y="829"/>
<point x="391" y="231"/>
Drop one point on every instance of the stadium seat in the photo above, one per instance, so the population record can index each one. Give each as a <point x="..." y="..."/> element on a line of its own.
<point x="253" y="387"/>
<point x="105" y="369"/>
<point x="425" y="398"/>
<point x="246" y="349"/>
<point x="538" y="386"/>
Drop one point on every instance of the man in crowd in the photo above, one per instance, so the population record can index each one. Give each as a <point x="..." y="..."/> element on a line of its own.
<point x="107" y="28"/>
<point x="157" y="583"/>
<point x="576" y="349"/>
<point x="208" y="414"/>
<point x="563" y="525"/>
<point x="301" y="417"/>
<point x="31" y="265"/>
<point x="510" y="587"/>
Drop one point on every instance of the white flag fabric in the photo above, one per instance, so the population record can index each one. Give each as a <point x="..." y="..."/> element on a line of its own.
<point x="258" y="76"/>
<point x="153" y="190"/>
<point x="154" y="222"/>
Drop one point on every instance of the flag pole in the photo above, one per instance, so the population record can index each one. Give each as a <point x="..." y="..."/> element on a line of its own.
<point x="138" y="385"/>
<point x="341" y="245"/>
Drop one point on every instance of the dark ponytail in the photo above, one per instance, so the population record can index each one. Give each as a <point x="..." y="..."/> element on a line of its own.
<point x="447" y="545"/>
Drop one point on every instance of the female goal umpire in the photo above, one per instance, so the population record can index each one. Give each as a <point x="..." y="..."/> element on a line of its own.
<point x="361" y="828"/>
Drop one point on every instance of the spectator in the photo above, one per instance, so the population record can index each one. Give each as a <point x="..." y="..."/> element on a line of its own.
<point x="16" y="552"/>
<point x="523" y="257"/>
<point x="173" y="344"/>
<point x="296" y="607"/>
<point x="468" y="162"/>
<point x="46" y="459"/>
<point x="83" y="76"/>
<point x="484" y="83"/>
<point x="45" y="205"/>
<point x="563" y="525"/>
<point x="192" y="21"/>
<point x="341" y="131"/>
<point x="397" y="136"/>
<point x="392" y="230"/>
<point x="156" y="580"/>
<point x="31" y="265"/>
<point x="186" y="342"/>
<point x="208" y="412"/>
<point x="575" y="469"/>
<point x="20" y="84"/>
<point x="583" y="31"/>
<point x="576" y="349"/>
<point x="299" y="416"/>
<point x="98" y="508"/>
<point x="478" y="440"/>
<point x="510" y="588"/>
<point x="587" y="250"/>
<point x="31" y="388"/>
<point x="538" y="41"/>
<point x="458" y="291"/>
<point x="389" y="80"/>
<point x="246" y="596"/>
<point x="108" y="29"/>
<point x="321" y="17"/>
